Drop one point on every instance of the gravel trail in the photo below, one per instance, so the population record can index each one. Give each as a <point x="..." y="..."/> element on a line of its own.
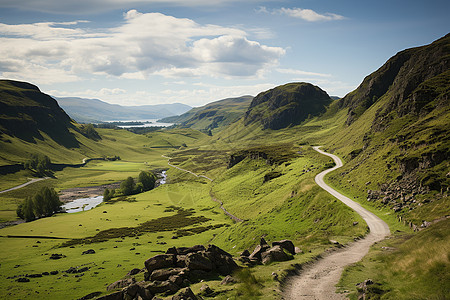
<point x="319" y="279"/>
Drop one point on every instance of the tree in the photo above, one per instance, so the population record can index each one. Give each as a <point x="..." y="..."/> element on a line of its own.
<point x="127" y="187"/>
<point x="108" y="194"/>
<point x="43" y="204"/>
<point x="39" y="163"/>
<point x="147" y="179"/>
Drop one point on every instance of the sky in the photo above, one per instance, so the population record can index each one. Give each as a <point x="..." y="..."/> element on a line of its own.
<point x="140" y="52"/>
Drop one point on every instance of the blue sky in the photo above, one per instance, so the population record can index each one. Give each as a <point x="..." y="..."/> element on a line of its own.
<point x="137" y="52"/>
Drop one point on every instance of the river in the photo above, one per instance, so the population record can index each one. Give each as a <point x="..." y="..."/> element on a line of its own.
<point x="84" y="204"/>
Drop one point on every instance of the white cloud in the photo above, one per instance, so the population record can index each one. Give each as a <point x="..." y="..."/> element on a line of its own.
<point x="145" y="44"/>
<point x="308" y="15"/>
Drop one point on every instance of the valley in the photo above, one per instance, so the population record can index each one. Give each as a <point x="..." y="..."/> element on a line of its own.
<point x="242" y="172"/>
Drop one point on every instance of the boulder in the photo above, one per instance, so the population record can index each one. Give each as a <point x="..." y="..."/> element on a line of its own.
<point x="274" y="254"/>
<point x="180" y="261"/>
<point x="120" y="284"/>
<point x="206" y="290"/>
<point x="185" y="294"/>
<point x="134" y="272"/>
<point x="228" y="280"/>
<point x="177" y="279"/>
<point x="285" y="244"/>
<point x="223" y="261"/>
<point x="158" y="287"/>
<point x="187" y="250"/>
<point x="137" y="291"/>
<point x="198" y="261"/>
<point x="259" y="249"/>
<point x="160" y="262"/>
<point x="90" y="251"/>
<point x="164" y="274"/>
<point x="245" y="253"/>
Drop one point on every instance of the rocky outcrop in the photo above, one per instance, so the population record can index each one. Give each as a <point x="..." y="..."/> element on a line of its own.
<point x="167" y="273"/>
<point x="404" y="78"/>
<point x="263" y="253"/>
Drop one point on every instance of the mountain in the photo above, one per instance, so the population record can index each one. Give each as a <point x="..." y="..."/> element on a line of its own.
<point x="27" y="114"/>
<point x="287" y="105"/>
<point x="213" y="116"/>
<point x="94" y="110"/>
<point x="396" y="132"/>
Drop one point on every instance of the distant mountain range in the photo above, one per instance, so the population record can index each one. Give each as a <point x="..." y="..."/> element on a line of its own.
<point x="93" y="110"/>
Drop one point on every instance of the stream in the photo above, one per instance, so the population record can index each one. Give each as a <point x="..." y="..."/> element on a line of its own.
<point x="84" y="204"/>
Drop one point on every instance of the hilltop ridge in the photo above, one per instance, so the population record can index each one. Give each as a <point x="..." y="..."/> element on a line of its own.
<point x="287" y="105"/>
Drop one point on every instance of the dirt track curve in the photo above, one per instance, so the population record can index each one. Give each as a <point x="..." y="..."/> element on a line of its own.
<point x="319" y="279"/>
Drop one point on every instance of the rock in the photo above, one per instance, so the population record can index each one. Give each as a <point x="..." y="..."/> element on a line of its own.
<point x="228" y="280"/>
<point x="177" y="279"/>
<point x="137" y="291"/>
<point x="298" y="250"/>
<point x="187" y="250"/>
<point x="134" y="272"/>
<point x="275" y="276"/>
<point x="113" y="296"/>
<point x="172" y="250"/>
<point x="158" y="287"/>
<point x="90" y="251"/>
<point x="274" y="254"/>
<point x="206" y="290"/>
<point x="56" y="256"/>
<point x="336" y="243"/>
<point x="185" y="294"/>
<point x="285" y="244"/>
<point x="257" y="252"/>
<point x="245" y="253"/>
<point x="180" y="261"/>
<point x="160" y="262"/>
<point x="164" y="274"/>
<point x="222" y="260"/>
<point x="198" y="261"/>
<point x="355" y="223"/>
<point x="120" y="284"/>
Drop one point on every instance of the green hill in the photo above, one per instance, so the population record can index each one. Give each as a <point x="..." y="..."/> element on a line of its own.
<point x="213" y="116"/>
<point x="287" y="105"/>
<point x="26" y="113"/>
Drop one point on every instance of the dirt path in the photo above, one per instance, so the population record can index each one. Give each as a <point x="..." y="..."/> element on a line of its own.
<point x="25" y="184"/>
<point x="318" y="280"/>
<point x="234" y="218"/>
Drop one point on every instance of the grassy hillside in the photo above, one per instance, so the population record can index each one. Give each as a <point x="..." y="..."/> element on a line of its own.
<point x="287" y="105"/>
<point x="213" y="116"/>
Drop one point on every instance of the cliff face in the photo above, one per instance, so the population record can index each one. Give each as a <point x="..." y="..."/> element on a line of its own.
<point x="26" y="113"/>
<point x="404" y="78"/>
<point x="287" y="105"/>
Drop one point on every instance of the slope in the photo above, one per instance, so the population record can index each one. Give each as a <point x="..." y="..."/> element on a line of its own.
<point x="213" y="116"/>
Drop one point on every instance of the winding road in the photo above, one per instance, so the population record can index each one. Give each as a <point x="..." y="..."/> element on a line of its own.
<point x="23" y="185"/>
<point x="318" y="281"/>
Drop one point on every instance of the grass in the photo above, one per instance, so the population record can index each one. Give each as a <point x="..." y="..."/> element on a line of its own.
<point x="113" y="257"/>
<point x="407" y="266"/>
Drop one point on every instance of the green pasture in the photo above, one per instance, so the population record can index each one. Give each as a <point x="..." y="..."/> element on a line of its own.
<point x="114" y="257"/>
